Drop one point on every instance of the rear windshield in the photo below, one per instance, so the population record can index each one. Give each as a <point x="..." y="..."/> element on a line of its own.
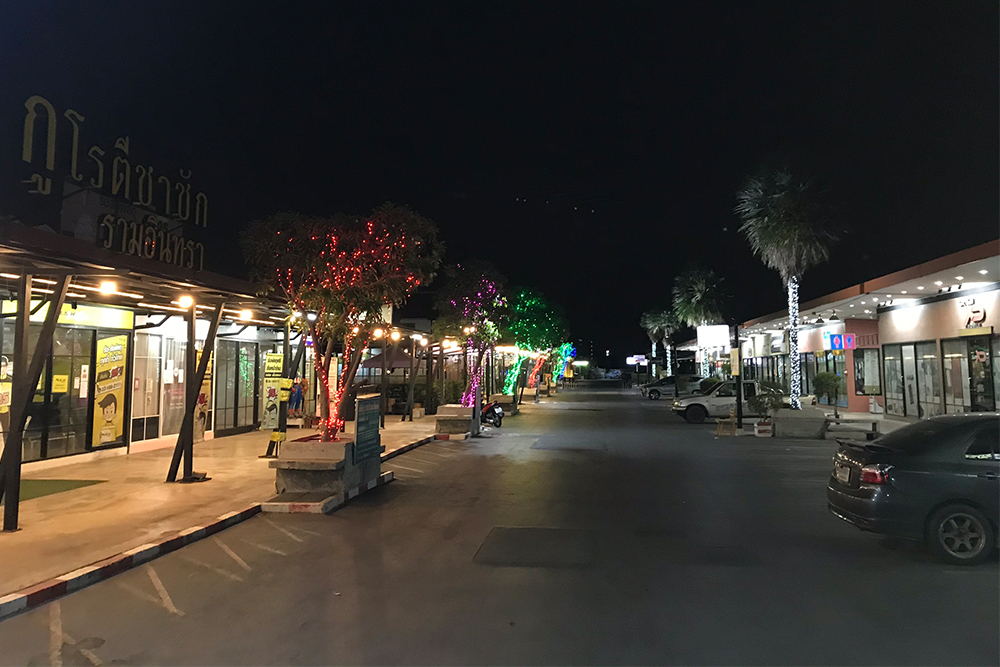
<point x="915" y="438"/>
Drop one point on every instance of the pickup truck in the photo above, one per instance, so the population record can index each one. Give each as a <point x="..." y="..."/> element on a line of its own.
<point x="717" y="401"/>
<point x="667" y="386"/>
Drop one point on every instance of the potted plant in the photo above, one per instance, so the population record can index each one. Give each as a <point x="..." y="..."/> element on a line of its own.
<point x="765" y="403"/>
<point x="829" y="385"/>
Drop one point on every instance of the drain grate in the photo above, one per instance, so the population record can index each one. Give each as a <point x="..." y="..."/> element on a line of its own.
<point x="537" y="547"/>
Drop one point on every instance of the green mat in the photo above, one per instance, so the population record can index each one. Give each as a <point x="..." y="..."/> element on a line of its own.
<point x="36" y="488"/>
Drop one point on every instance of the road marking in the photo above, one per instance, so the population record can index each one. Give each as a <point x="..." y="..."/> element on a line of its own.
<point x="442" y="456"/>
<point x="86" y="652"/>
<point x="165" y="600"/>
<point x="282" y="530"/>
<point x="217" y="570"/>
<point x="307" y="532"/>
<point x="422" y="462"/>
<point x="55" y="634"/>
<point x="232" y="554"/>
<point x="396" y="465"/>
<point x="266" y="548"/>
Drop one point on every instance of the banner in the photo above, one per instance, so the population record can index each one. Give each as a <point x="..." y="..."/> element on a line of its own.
<point x="109" y="390"/>
<point x="204" y="404"/>
<point x="274" y="364"/>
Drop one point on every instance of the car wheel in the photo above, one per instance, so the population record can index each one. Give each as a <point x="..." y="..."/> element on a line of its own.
<point x="695" y="414"/>
<point x="960" y="535"/>
<point x="654" y="395"/>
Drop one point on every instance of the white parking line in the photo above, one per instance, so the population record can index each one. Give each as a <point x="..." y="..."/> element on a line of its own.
<point x="264" y="547"/>
<point x="55" y="635"/>
<point x="307" y="532"/>
<point x="232" y="554"/>
<point x="396" y="465"/>
<point x="442" y="456"/>
<point x="282" y="530"/>
<point x="217" y="570"/>
<point x="162" y="591"/>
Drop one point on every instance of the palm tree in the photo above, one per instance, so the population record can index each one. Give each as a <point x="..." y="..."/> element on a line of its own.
<point x="783" y="226"/>
<point x="660" y="325"/>
<point x="698" y="297"/>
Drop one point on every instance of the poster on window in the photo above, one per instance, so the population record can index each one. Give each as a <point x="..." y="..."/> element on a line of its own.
<point x="5" y="393"/>
<point x="274" y="363"/>
<point x="202" y="407"/>
<point x="109" y="390"/>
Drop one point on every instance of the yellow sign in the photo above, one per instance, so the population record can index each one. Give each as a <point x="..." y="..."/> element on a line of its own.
<point x="734" y="361"/>
<point x="109" y="390"/>
<point x="83" y="315"/>
<point x="274" y="365"/>
<point x="60" y="384"/>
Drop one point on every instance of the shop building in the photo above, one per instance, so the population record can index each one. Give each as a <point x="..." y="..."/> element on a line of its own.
<point x="916" y="343"/>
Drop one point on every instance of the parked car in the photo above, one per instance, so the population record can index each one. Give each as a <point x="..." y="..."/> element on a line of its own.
<point x="666" y="387"/>
<point x="717" y="401"/>
<point x="937" y="481"/>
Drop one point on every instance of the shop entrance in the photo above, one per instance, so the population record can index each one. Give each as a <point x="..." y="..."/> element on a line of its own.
<point x="236" y="387"/>
<point x="981" y="390"/>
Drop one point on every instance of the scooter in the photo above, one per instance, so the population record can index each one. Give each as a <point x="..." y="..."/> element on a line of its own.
<point x="492" y="414"/>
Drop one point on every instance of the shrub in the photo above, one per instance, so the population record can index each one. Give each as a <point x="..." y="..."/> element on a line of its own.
<point x="829" y="385"/>
<point x="709" y="382"/>
<point x="765" y="403"/>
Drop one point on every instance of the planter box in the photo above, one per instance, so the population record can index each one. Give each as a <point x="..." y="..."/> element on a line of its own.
<point x="763" y="430"/>
<point x="452" y="424"/>
<point x="454" y="410"/>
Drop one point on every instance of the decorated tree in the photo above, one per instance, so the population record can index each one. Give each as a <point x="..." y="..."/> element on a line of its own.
<point x="473" y="307"/>
<point x="535" y="325"/>
<point x="337" y="273"/>
<point x="698" y="297"/>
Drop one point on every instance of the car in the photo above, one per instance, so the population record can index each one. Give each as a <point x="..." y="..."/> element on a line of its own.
<point x="717" y="401"/>
<point x="667" y="386"/>
<point x="937" y="481"/>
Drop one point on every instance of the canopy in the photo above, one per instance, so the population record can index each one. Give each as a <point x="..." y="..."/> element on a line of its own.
<point x="396" y="359"/>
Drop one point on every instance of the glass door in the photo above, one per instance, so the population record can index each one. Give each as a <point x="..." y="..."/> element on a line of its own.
<point x="981" y="375"/>
<point x="910" y="380"/>
<point x="892" y="357"/>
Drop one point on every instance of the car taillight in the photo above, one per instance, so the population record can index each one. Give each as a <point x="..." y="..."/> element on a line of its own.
<point x="876" y="474"/>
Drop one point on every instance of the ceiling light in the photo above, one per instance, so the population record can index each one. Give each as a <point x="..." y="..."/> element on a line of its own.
<point x="108" y="287"/>
<point x="903" y="292"/>
<point x="921" y="287"/>
<point x="938" y="283"/>
<point x="246" y="314"/>
<point x="423" y="342"/>
<point x="959" y="277"/>
<point x="186" y="301"/>
<point x="852" y="305"/>
<point x="867" y="311"/>
<point x="983" y="272"/>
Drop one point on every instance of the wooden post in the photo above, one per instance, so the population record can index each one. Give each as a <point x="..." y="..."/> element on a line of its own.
<point x="185" y="439"/>
<point x="26" y="374"/>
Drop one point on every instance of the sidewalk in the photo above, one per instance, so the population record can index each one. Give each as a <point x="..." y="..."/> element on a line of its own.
<point x="133" y="506"/>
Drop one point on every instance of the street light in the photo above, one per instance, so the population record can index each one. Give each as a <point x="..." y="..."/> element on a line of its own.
<point x="377" y="333"/>
<point x="394" y="335"/>
<point x="423" y="341"/>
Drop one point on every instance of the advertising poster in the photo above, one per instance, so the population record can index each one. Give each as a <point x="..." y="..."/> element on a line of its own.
<point x="274" y="363"/>
<point x="5" y="393"/>
<point x="109" y="390"/>
<point x="204" y="404"/>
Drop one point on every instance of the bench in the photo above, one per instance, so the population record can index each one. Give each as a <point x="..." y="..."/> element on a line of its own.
<point x="870" y="434"/>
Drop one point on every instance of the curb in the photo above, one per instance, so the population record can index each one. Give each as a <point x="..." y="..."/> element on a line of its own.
<point x="327" y="505"/>
<point x="39" y="594"/>
<point x="453" y="436"/>
<point x="406" y="448"/>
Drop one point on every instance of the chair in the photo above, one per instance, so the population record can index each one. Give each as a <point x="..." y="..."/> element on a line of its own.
<point x="723" y="425"/>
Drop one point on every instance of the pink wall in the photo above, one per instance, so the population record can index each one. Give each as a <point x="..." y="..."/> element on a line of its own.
<point x="865" y="336"/>
<point x="935" y="321"/>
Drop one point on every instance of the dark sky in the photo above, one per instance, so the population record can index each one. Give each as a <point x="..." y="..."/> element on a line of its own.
<point x="626" y="127"/>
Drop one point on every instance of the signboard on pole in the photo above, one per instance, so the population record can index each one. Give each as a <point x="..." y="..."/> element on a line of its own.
<point x="274" y="364"/>
<point x="367" y="441"/>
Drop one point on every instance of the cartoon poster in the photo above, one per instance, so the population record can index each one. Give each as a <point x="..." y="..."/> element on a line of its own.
<point x="5" y="394"/>
<point x="109" y="390"/>
<point x="204" y="404"/>
<point x="274" y="363"/>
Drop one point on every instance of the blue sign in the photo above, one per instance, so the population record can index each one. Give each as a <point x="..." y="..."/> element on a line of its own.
<point x="833" y="341"/>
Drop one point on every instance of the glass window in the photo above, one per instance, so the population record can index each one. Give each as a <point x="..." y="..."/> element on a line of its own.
<point x="726" y="390"/>
<point x="893" y="356"/>
<point x="866" y="373"/>
<point x="749" y="390"/>
<point x="808" y="372"/>
<point x="929" y="380"/>
<point x="955" y="371"/>
<point x="173" y="385"/>
<point x="985" y="444"/>
<point x="839" y="363"/>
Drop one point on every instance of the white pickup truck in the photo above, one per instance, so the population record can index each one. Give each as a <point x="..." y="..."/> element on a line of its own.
<point x="718" y="401"/>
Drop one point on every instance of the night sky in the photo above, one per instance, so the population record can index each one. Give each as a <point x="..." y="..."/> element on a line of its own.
<point x="589" y="150"/>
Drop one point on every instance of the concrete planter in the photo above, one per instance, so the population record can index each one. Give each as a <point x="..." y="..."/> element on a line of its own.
<point x="763" y="429"/>
<point x="452" y="424"/>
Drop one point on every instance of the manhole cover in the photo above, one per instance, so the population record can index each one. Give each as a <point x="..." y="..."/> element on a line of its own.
<point x="537" y="547"/>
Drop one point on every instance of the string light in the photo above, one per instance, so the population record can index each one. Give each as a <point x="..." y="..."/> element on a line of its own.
<point x="793" y="343"/>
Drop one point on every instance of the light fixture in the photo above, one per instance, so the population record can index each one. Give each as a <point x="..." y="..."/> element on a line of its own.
<point x="921" y="287"/>
<point x="959" y="277"/>
<point x="467" y="330"/>
<point x="185" y="301"/>
<point x="417" y="337"/>
<point x="983" y="272"/>
<point x="297" y="314"/>
<point x="423" y="342"/>
<point x="108" y="287"/>
<point x="311" y="317"/>
<point x="938" y="283"/>
<point x="903" y="292"/>
<point x="834" y="318"/>
<point x="246" y="314"/>
<point x="394" y="335"/>
<point x="355" y="330"/>
<point x="377" y="333"/>
<point x="820" y="320"/>
<point x="867" y="312"/>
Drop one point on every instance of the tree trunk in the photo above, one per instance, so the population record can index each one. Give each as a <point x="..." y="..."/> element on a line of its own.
<point x="343" y="389"/>
<point x="324" y="383"/>
<point x="794" y="362"/>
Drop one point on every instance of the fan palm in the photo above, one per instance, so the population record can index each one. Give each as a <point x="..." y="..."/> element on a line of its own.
<point x="698" y="297"/>
<point x="660" y="325"/>
<point x="782" y="224"/>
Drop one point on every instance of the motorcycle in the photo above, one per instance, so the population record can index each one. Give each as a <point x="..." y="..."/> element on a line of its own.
<point x="492" y="414"/>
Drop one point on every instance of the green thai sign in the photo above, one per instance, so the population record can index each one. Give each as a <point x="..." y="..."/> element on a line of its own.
<point x="367" y="441"/>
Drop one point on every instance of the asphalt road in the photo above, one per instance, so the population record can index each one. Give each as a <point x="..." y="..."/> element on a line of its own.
<point x="598" y="529"/>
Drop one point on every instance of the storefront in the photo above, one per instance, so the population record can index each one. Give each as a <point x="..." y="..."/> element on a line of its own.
<point x="941" y="354"/>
